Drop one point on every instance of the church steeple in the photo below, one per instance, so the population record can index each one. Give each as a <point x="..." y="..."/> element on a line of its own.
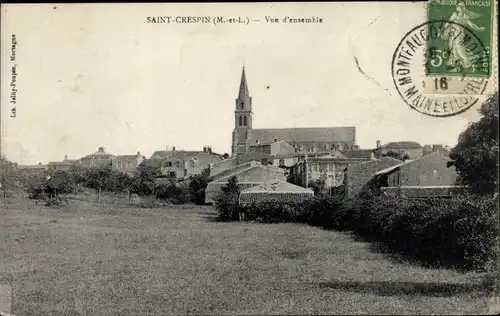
<point x="244" y="100"/>
<point x="243" y="85"/>
<point x="242" y="118"/>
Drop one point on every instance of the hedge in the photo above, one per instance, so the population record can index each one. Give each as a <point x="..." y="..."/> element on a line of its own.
<point x="461" y="232"/>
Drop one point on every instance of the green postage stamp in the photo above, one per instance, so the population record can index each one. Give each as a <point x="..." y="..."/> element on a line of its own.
<point x="464" y="41"/>
<point x="447" y="64"/>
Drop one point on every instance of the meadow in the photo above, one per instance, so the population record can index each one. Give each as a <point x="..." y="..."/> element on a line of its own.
<point x="96" y="259"/>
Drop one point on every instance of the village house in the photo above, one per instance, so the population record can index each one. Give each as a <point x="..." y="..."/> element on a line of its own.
<point x="328" y="168"/>
<point x="427" y="176"/>
<point x="413" y="149"/>
<point x="428" y="149"/>
<point x="181" y="164"/>
<point x="32" y="170"/>
<point x="248" y="175"/>
<point x="358" y="176"/>
<point x="98" y="159"/>
<point x="127" y="163"/>
<point x="64" y="165"/>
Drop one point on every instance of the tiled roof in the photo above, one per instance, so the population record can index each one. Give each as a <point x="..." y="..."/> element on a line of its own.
<point x="126" y="158"/>
<point x="402" y="145"/>
<point x="251" y="166"/>
<point x="267" y="143"/>
<point x="387" y="170"/>
<point x="277" y="186"/>
<point x="424" y="191"/>
<point x="358" y="153"/>
<point x="410" y="162"/>
<point x="175" y="153"/>
<point x="223" y="165"/>
<point x="254" y="156"/>
<point x="98" y="154"/>
<point x="236" y="169"/>
<point x="215" y="188"/>
<point x="318" y="134"/>
<point x="66" y="162"/>
<point x="336" y="154"/>
<point x="33" y="167"/>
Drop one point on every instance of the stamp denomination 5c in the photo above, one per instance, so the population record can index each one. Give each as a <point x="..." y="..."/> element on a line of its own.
<point x="462" y="46"/>
<point x="445" y="66"/>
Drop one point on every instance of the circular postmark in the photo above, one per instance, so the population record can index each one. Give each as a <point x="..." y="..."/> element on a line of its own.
<point x="439" y="95"/>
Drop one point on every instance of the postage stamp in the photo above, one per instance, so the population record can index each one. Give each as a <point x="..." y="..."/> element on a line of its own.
<point x="462" y="46"/>
<point x="446" y="65"/>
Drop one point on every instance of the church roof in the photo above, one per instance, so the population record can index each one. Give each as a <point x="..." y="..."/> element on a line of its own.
<point x="402" y="145"/>
<point x="308" y="134"/>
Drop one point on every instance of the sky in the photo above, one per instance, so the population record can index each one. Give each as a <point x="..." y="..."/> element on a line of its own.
<point x="92" y="75"/>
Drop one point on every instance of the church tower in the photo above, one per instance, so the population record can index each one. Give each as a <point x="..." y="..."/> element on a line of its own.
<point x="242" y="119"/>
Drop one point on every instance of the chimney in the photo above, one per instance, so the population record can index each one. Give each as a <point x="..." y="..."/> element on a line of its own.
<point x="275" y="139"/>
<point x="101" y="149"/>
<point x="173" y="148"/>
<point x="209" y="149"/>
<point x="65" y="157"/>
<point x="204" y="149"/>
<point x="138" y="153"/>
<point x="378" y="144"/>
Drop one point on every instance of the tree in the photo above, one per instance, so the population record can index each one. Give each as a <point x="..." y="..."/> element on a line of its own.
<point x="318" y="186"/>
<point x="144" y="180"/>
<point x="226" y="202"/>
<point x="123" y="183"/>
<point x="98" y="178"/>
<point x="77" y="175"/>
<point x="197" y="185"/>
<point x="59" y="182"/>
<point x="400" y="155"/>
<point x="475" y="156"/>
<point x="11" y="178"/>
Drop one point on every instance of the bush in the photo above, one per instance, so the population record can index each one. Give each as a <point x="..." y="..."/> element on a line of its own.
<point x="270" y="212"/>
<point x="226" y="203"/>
<point x="173" y="193"/>
<point x="323" y="211"/>
<point x="460" y="232"/>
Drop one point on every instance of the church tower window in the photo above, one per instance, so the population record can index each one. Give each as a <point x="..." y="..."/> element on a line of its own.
<point x="244" y="121"/>
<point x="241" y="121"/>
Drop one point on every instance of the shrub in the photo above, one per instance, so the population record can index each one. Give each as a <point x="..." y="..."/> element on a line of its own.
<point x="460" y="232"/>
<point x="323" y="211"/>
<point x="197" y="186"/>
<point x="173" y="193"/>
<point x="270" y="212"/>
<point x="226" y="203"/>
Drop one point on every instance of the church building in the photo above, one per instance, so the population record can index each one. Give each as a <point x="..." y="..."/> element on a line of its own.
<point x="304" y="140"/>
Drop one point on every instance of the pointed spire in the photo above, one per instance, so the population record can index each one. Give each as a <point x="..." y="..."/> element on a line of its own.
<point x="243" y="85"/>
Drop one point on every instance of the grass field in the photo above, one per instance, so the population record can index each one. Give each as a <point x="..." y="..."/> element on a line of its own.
<point x="104" y="260"/>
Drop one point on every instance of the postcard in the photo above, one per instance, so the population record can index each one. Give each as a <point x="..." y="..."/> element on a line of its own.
<point x="249" y="158"/>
